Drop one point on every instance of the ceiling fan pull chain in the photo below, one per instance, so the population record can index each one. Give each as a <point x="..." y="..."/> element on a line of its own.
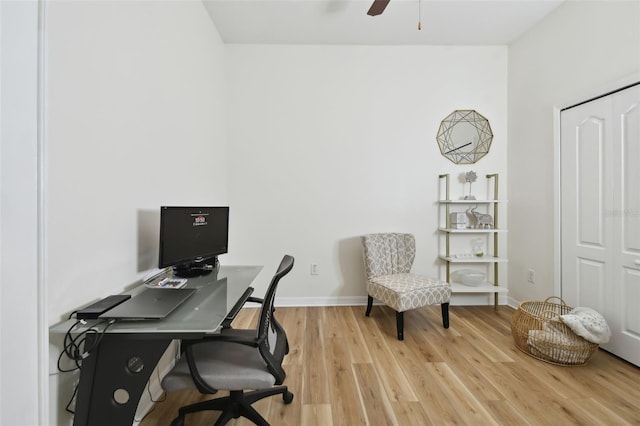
<point x="419" y="15"/>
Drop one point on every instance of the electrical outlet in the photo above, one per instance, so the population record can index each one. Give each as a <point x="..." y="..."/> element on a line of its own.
<point x="314" y="269"/>
<point x="531" y="276"/>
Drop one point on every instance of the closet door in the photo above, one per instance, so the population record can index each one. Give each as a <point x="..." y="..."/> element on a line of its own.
<point x="587" y="197"/>
<point x="626" y="275"/>
<point x="600" y="214"/>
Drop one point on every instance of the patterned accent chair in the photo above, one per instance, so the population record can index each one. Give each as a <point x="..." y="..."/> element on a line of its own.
<point x="388" y="259"/>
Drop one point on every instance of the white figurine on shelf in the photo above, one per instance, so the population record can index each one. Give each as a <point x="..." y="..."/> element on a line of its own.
<point x="470" y="177"/>
<point x="483" y="221"/>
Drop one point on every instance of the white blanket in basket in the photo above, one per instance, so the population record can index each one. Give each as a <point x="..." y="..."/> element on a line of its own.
<point x="587" y="323"/>
<point x="552" y="342"/>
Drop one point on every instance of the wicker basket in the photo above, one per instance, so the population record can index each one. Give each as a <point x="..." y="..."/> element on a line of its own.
<point x="538" y="331"/>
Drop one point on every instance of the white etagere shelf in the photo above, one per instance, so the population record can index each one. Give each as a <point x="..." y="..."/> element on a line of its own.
<point x="471" y="201"/>
<point x="495" y="287"/>
<point x="485" y="288"/>
<point x="474" y="259"/>
<point x="470" y="230"/>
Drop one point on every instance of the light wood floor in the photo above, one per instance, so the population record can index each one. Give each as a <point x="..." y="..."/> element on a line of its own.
<point x="347" y="369"/>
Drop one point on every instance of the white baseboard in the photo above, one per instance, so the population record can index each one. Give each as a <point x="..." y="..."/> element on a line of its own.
<point x="513" y="302"/>
<point x="456" y="300"/>
<point x="321" y="301"/>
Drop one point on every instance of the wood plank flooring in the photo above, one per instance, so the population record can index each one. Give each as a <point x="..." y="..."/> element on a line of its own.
<point x="347" y="369"/>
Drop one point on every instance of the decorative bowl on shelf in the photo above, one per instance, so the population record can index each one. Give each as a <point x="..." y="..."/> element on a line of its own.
<point x="469" y="277"/>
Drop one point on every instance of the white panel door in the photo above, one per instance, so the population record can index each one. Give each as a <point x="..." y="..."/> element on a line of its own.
<point x="587" y="237"/>
<point x="626" y="275"/>
<point x="600" y="214"/>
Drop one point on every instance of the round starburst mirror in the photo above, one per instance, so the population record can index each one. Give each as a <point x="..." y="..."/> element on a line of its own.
<point x="464" y="136"/>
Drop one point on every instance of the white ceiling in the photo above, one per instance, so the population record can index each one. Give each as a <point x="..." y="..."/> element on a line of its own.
<point x="444" y="22"/>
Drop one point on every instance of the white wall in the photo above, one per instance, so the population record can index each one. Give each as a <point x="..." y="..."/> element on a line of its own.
<point x="577" y="51"/>
<point x="328" y="143"/>
<point x="135" y="119"/>
<point x="21" y="402"/>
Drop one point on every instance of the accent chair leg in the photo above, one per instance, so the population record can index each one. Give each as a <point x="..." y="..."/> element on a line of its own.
<point x="400" y="324"/>
<point x="445" y="314"/>
<point x="369" y="305"/>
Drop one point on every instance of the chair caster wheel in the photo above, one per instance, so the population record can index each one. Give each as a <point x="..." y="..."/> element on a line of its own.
<point x="287" y="397"/>
<point x="178" y="421"/>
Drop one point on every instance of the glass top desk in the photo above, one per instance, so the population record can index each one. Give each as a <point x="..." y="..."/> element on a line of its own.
<point x="115" y="372"/>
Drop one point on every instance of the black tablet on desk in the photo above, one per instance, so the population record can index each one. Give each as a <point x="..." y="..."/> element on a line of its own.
<point x="151" y="303"/>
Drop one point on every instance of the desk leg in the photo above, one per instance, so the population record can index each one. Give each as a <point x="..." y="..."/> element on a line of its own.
<point x="114" y="376"/>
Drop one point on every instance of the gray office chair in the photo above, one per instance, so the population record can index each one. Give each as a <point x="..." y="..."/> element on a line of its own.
<point x="236" y="360"/>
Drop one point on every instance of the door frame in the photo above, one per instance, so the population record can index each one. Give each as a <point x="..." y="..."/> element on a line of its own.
<point x="605" y="90"/>
<point x="27" y="256"/>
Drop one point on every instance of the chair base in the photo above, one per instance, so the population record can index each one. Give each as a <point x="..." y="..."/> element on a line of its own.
<point x="237" y="404"/>
<point x="400" y="317"/>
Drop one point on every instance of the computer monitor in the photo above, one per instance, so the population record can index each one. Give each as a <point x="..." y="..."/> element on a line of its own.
<point x="191" y="238"/>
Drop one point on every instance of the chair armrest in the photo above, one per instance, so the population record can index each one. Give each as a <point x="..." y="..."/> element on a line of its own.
<point x="231" y="335"/>
<point x="226" y="323"/>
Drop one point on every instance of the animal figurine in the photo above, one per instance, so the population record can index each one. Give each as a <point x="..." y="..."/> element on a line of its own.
<point x="483" y="221"/>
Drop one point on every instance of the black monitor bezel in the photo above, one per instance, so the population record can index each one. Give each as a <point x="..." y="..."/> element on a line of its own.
<point x="196" y="259"/>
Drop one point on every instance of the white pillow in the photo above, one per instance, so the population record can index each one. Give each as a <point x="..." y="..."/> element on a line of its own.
<point x="589" y="324"/>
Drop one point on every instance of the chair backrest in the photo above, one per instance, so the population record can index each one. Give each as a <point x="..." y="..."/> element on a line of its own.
<point x="271" y="335"/>
<point x="388" y="253"/>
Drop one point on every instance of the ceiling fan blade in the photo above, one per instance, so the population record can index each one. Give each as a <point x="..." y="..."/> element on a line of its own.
<point x="377" y="7"/>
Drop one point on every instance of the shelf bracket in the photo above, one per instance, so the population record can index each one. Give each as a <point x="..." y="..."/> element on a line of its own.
<point x="496" y="280"/>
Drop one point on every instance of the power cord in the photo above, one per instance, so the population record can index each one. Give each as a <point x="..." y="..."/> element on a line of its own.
<point x="162" y="398"/>
<point x="74" y="347"/>
<point x="67" y="407"/>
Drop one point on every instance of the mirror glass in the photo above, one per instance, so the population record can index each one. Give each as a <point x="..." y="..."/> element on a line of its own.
<point x="464" y="136"/>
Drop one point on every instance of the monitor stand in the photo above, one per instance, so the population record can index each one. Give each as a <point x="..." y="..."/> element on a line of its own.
<point x="197" y="268"/>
